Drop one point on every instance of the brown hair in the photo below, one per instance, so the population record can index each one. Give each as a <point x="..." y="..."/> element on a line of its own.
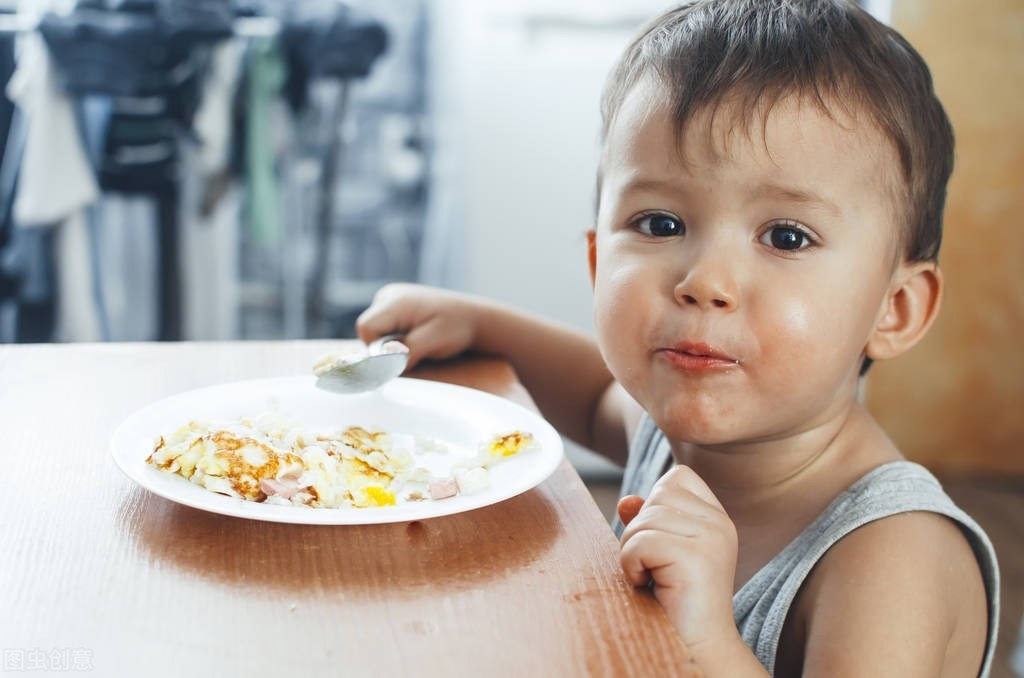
<point x="754" y="52"/>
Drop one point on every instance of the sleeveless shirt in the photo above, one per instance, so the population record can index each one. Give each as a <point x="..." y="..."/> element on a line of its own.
<point x="761" y="605"/>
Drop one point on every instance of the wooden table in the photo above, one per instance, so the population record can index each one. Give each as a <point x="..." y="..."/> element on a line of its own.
<point x="98" y="573"/>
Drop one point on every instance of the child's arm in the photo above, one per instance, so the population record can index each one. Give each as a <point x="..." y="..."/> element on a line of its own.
<point x="901" y="597"/>
<point x="560" y="367"/>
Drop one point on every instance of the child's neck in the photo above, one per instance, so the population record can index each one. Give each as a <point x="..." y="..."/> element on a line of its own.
<point x="745" y="471"/>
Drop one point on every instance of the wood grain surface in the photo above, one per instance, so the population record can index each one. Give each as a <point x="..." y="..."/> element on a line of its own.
<point x="97" y="573"/>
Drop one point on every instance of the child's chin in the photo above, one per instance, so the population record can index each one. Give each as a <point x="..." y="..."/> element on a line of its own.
<point x="686" y="424"/>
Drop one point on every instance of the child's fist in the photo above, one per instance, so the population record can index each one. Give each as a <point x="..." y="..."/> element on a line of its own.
<point x="683" y="541"/>
<point x="435" y="323"/>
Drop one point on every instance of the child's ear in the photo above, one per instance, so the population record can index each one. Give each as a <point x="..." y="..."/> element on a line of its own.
<point x="592" y="254"/>
<point x="910" y="309"/>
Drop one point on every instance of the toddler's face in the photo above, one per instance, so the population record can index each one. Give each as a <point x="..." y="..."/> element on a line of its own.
<point x="737" y="285"/>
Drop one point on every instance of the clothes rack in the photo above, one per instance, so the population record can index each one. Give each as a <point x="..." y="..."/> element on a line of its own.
<point x="323" y="201"/>
<point x="244" y="27"/>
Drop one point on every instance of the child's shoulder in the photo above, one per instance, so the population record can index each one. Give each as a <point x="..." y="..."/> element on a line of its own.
<point x="907" y="581"/>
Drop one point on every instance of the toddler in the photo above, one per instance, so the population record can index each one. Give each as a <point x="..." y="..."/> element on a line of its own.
<point x="769" y="211"/>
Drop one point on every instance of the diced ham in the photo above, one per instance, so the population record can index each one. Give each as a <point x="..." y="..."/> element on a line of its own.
<point x="284" y="487"/>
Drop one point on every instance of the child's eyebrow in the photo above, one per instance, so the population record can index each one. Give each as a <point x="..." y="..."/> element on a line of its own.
<point x="802" y="196"/>
<point x="642" y="185"/>
<point x="762" y="192"/>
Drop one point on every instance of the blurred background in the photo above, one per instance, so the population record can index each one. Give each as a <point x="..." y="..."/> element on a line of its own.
<point x="257" y="169"/>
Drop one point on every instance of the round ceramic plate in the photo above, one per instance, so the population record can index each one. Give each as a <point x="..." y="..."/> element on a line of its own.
<point x="458" y="418"/>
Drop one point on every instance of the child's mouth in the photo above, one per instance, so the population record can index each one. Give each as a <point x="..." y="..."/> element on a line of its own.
<point x="699" y="357"/>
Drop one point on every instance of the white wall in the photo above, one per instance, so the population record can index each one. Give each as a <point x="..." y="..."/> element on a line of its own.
<point x="517" y="88"/>
<point x="881" y="9"/>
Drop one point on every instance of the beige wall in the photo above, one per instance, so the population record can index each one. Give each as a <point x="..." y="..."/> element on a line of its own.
<point x="957" y="400"/>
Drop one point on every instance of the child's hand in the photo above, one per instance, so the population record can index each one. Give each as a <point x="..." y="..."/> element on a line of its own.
<point x="683" y="541"/>
<point x="436" y="323"/>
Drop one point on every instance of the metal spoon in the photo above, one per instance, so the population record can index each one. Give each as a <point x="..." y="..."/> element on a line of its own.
<point x="383" y="360"/>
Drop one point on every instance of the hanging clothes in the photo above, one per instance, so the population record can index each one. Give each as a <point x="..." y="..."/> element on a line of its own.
<point x="55" y="178"/>
<point x="127" y="256"/>
<point x="79" y="316"/>
<point x="212" y="123"/>
<point x="8" y="282"/>
<point x="327" y="40"/>
<point x="196" y="20"/>
<point x="29" y="258"/>
<point x="266" y="75"/>
<point x="211" y="199"/>
<point x="154" y="81"/>
<point x="341" y="44"/>
<point x="6" y="105"/>
<point x="97" y="50"/>
<point x="211" y="259"/>
<point x="150" y="76"/>
<point x="55" y="184"/>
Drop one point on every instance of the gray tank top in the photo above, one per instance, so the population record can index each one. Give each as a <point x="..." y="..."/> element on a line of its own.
<point x="761" y="605"/>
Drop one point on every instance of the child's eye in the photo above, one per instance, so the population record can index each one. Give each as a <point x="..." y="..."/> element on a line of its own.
<point x="786" y="236"/>
<point x="659" y="225"/>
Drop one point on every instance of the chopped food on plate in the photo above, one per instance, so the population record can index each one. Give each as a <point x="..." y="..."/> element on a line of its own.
<point x="273" y="461"/>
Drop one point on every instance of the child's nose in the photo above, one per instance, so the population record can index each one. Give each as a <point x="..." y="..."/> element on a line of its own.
<point x="708" y="285"/>
<point x="716" y="301"/>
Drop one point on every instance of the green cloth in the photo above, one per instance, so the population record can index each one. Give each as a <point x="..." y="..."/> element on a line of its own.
<point x="267" y="72"/>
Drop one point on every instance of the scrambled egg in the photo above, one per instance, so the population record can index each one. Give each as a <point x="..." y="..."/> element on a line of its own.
<point x="270" y="461"/>
<point x="512" y="443"/>
<point x="261" y="463"/>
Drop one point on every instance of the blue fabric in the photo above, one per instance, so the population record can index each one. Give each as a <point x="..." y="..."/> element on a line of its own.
<point x="340" y="44"/>
<point x="328" y="41"/>
<point x="10" y="274"/>
<point x="94" y="115"/>
<point x="29" y="256"/>
<point x="201" y="20"/>
<point x="6" y="105"/>
<point x="102" y="51"/>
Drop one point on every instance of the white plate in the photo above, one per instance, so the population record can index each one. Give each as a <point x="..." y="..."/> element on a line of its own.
<point x="460" y="418"/>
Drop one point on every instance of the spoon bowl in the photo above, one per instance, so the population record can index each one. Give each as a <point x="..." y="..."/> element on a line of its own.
<point x="383" y="360"/>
